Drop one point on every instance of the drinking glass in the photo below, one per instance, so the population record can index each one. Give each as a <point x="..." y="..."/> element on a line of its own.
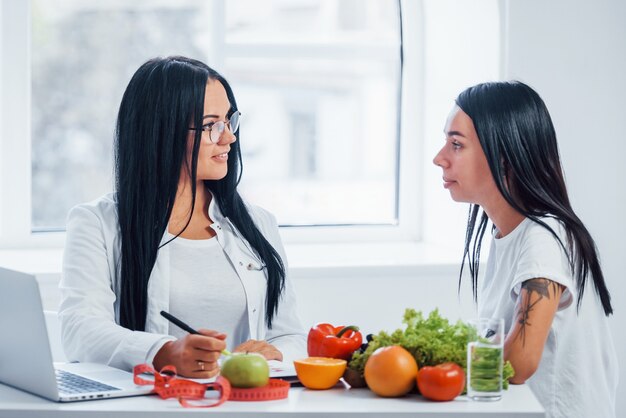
<point x="485" y="359"/>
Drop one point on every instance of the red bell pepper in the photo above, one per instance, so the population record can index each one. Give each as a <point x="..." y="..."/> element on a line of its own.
<point x="326" y="340"/>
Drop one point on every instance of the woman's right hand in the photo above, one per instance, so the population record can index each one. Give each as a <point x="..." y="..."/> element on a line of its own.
<point x="194" y="356"/>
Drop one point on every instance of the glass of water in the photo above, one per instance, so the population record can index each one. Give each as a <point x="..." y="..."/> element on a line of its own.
<point x="485" y="359"/>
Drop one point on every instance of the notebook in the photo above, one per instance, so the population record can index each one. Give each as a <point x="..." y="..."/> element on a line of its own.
<point x="26" y="358"/>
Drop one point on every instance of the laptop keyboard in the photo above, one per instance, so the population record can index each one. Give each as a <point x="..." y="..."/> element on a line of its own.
<point x="73" y="383"/>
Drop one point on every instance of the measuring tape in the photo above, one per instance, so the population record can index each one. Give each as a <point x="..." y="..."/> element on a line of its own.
<point x="275" y="389"/>
<point x="167" y="385"/>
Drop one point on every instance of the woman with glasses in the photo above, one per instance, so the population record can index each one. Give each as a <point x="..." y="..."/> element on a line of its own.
<point x="176" y="236"/>
<point x="543" y="275"/>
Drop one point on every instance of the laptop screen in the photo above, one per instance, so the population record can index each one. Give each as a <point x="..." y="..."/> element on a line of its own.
<point x="25" y="357"/>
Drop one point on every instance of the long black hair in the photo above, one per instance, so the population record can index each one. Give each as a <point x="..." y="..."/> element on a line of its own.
<point x="517" y="136"/>
<point x="164" y="97"/>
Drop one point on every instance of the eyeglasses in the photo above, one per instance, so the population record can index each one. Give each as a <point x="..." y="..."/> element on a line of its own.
<point x="216" y="129"/>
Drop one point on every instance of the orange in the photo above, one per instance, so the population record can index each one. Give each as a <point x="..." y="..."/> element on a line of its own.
<point x="319" y="372"/>
<point x="391" y="371"/>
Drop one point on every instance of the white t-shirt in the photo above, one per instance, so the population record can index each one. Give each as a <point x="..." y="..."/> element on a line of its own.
<point x="577" y="375"/>
<point x="205" y="291"/>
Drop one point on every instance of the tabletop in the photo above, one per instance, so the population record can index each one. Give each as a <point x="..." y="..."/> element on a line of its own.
<point x="339" y="401"/>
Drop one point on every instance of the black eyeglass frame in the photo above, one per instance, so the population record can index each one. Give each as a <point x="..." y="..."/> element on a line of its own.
<point x="220" y="126"/>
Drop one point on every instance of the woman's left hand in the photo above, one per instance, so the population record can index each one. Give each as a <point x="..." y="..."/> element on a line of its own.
<point x="262" y="347"/>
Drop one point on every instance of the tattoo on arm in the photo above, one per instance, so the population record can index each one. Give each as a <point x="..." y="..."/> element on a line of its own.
<point x="543" y="288"/>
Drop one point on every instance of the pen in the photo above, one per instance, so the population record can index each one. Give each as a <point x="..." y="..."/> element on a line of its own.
<point x="180" y="324"/>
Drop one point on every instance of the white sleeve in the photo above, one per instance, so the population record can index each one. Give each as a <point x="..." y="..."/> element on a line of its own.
<point x="87" y="314"/>
<point x="542" y="256"/>
<point x="287" y="333"/>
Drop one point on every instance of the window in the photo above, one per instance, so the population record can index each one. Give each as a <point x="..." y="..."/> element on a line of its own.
<point x="318" y="84"/>
<point x="357" y="105"/>
<point x="83" y="55"/>
<point x="327" y="73"/>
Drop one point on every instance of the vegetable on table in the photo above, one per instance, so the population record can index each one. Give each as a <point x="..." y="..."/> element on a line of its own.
<point x="485" y="363"/>
<point x="325" y="340"/>
<point x="442" y="382"/>
<point x="431" y="341"/>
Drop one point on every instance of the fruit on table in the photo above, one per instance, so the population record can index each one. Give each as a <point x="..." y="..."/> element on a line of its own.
<point x="443" y="382"/>
<point x="325" y="340"/>
<point x="319" y="372"/>
<point x="391" y="371"/>
<point x="246" y="370"/>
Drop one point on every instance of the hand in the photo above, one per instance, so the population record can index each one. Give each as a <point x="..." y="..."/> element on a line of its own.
<point x="194" y="356"/>
<point x="262" y="347"/>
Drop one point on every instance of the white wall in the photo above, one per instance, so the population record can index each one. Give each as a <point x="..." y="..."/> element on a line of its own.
<point x="574" y="53"/>
<point x="377" y="303"/>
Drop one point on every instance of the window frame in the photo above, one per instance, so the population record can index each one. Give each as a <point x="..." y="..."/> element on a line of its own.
<point x="15" y="141"/>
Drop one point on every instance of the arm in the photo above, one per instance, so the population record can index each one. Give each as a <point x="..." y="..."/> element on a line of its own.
<point x="88" y="299"/>
<point x="88" y="308"/>
<point x="536" y="306"/>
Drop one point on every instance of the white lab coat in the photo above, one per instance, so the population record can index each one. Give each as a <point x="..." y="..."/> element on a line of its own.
<point x="90" y="285"/>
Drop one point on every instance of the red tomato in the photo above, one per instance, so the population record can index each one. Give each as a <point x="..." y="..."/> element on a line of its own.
<point x="443" y="382"/>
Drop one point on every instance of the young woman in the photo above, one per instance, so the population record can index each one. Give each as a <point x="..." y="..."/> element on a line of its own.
<point x="176" y="236"/>
<point x="543" y="275"/>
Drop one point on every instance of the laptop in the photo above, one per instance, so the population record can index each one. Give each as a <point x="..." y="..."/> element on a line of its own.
<point x="26" y="358"/>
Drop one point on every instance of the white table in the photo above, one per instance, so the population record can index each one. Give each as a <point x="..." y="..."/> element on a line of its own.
<point x="517" y="402"/>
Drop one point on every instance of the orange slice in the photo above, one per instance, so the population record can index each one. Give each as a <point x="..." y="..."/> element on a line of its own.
<point x="319" y="372"/>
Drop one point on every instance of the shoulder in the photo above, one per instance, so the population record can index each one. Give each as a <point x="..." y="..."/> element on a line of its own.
<point x="537" y="236"/>
<point x="102" y="210"/>
<point x="533" y="238"/>
<point x="263" y="218"/>
<point x="550" y="221"/>
<point x="266" y="222"/>
<point x="543" y="240"/>
<point x="544" y="255"/>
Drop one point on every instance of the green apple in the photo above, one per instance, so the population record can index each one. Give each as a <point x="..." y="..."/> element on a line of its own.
<point x="246" y="370"/>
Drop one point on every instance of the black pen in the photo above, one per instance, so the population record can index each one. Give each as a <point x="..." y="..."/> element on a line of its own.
<point x="180" y="324"/>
